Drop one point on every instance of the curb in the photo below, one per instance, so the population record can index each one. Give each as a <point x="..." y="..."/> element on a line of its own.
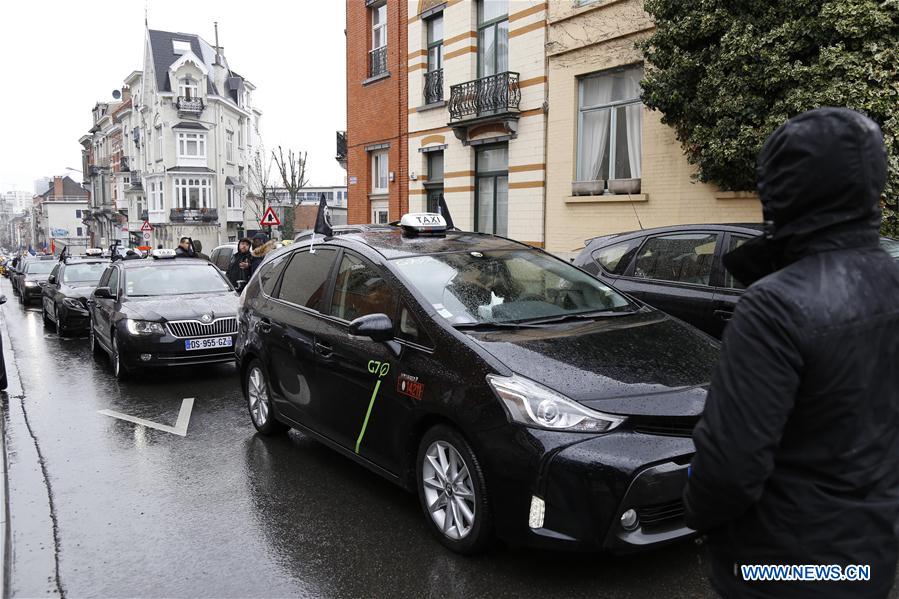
<point x="14" y="387"/>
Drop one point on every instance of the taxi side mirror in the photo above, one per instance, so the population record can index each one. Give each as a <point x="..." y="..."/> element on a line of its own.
<point x="2" y="299"/>
<point x="51" y="280"/>
<point x="377" y="327"/>
<point x="240" y="285"/>
<point x="102" y="293"/>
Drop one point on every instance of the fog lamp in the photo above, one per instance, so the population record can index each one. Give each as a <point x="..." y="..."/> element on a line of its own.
<point x="629" y="520"/>
<point x="146" y="357"/>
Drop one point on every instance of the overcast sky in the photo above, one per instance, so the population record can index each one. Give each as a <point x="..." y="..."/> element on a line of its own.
<point x="62" y="56"/>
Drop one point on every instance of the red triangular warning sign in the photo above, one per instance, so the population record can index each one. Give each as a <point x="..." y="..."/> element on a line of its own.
<point x="270" y="219"/>
<point x="146" y="226"/>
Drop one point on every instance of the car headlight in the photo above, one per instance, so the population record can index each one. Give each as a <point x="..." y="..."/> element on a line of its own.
<point x="30" y="284"/>
<point x="73" y="303"/>
<point x="144" y="327"/>
<point x="534" y="405"/>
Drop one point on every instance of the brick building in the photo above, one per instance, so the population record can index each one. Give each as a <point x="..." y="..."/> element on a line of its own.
<point x="377" y="124"/>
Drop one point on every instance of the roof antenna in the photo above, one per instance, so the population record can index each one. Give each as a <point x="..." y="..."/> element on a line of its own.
<point x="637" y="216"/>
<point x="146" y="12"/>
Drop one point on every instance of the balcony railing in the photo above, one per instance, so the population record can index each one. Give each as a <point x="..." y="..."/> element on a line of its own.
<point x="377" y="61"/>
<point x="433" y="91"/>
<point x="193" y="215"/>
<point x="496" y="94"/>
<point x="189" y="105"/>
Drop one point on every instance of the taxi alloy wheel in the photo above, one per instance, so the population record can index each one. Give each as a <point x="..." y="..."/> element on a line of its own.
<point x="453" y="491"/>
<point x="259" y="401"/>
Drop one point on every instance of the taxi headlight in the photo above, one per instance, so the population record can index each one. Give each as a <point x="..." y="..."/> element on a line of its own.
<point x="30" y="284"/>
<point x="534" y="405"/>
<point x="73" y="304"/>
<point x="144" y="327"/>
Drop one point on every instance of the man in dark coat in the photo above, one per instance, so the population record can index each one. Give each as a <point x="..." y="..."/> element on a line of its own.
<point x="796" y="452"/>
<point x="239" y="267"/>
<point x="185" y="248"/>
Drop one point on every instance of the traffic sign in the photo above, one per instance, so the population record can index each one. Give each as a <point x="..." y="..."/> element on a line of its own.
<point x="270" y="219"/>
<point x="146" y="227"/>
<point x="146" y="236"/>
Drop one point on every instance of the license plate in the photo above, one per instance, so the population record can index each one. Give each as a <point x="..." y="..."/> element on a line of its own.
<point x="208" y="343"/>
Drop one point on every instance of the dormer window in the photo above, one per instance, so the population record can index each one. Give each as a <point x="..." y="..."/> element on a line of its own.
<point x="180" y="46"/>
<point x="187" y="87"/>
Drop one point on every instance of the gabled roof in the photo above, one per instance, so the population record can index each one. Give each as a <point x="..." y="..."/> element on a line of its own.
<point x="164" y="55"/>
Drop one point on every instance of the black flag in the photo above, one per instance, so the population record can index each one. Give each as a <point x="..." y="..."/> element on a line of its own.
<point x="443" y="211"/>
<point x="323" y="219"/>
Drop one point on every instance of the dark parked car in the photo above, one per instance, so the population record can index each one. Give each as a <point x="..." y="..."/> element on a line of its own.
<point x="32" y="279"/>
<point x="515" y="393"/>
<point x="18" y="273"/>
<point x="221" y="256"/>
<point x="162" y="312"/>
<point x="2" y="359"/>
<point x="64" y="300"/>
<point x="678" y="269"/>
<point x="306" y="235"/>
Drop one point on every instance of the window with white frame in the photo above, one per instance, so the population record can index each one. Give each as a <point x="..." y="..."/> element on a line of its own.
<point x="188" y="88"/>
<point x="610" y="126"/>
<point x="240" y="126"/>
<point x="234" y="197"/>
<point x="191" y="145"/>
<point x="156" y="203"/>
<point x="193" y="192"/>
<point x="229" y="146"/>
<point x="379" y="26"/>
<point x="158" y="143"/>
<point x="379" y="171"/>
<point x="380" y="215"/>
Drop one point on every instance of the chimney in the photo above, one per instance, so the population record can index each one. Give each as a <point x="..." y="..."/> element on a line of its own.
<point x="126" y="93"/>
<point x="57" y="187"/>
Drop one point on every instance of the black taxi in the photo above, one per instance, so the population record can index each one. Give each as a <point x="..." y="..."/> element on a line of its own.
<point x="517" y="395"/>
<point x="70" y="284"/>
<point x="162" y="311"/>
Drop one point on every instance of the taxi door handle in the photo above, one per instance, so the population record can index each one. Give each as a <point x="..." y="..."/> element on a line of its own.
<point x="323" y="349"/>
<point x="724" y="314"/>
<point x="264" y="325"/>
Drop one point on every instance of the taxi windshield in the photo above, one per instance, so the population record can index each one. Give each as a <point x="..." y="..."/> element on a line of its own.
<point x="155" y="280"/>
<point x="39" y="268"/>
<point x="84" y="273"/>
<point x="506" y="286"/>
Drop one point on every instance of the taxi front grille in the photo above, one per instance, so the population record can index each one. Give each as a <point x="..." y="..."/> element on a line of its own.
<point x="661" y="514"/>
<point x="668" y="426"/>
<point x="195" y="328"/>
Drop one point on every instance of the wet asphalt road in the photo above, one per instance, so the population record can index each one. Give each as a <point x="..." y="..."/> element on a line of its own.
<point x="103" y="507"/>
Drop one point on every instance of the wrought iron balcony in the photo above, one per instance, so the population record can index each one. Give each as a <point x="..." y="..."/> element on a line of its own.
<point x="193" y="215"/>
<point x="189" y="105"/>
<point x="433" y="91"/>
<point x="377" y="61"/>
<point x="492" y="95"/>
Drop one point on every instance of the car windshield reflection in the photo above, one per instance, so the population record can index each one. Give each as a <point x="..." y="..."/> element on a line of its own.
<point x="150" y="281"/>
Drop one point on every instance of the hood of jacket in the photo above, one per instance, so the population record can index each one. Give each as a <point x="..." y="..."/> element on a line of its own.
<point x="820" y="179"/>
<point x="263" y="249"/>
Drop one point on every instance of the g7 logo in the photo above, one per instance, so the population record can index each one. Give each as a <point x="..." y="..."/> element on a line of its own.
<point x="379" y="368"/>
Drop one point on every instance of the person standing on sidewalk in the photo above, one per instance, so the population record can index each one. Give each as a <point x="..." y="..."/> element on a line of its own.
<point x="797" y="452"/>
<point x="239" y="267"/>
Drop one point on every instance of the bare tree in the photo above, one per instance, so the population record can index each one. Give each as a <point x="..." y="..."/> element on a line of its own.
<point x="261" y="187"/>
<point x="293" y="177"/>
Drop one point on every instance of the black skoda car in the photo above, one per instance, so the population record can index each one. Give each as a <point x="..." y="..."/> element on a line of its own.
<point x="64" y="299"/>
<point x="516" y="394"/>
<point x="33" y="278"/>
<point x="162" y="311"/>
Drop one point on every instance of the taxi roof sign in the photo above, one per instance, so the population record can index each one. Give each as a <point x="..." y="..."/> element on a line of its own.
<point x="93" y="252"/>
<point x="423" y="223"/>
<point x="163" y="253"/>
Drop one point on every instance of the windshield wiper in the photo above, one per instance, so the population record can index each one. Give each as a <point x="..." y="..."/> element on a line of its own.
<point x="487" y="325"/>
<point x="582" y="316"/>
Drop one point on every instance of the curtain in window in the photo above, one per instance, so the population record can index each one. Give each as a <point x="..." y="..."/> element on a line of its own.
<point x="634" y="119"/>
<point x="594" y="128"/>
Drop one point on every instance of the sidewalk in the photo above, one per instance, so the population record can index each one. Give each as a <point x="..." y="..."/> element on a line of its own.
<point x="14" y="388"/>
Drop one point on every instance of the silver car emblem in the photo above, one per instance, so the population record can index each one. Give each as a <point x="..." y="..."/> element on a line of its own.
<point x="206" y="318"/>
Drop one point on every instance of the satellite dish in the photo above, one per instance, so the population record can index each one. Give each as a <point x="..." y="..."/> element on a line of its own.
<point x="116" y="94"/>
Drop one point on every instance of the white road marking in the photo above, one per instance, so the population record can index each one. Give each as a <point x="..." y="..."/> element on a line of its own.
<point x="180" y="427"/>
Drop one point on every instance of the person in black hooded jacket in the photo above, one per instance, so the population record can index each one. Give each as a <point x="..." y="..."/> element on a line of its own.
<point x="796" y="451"/>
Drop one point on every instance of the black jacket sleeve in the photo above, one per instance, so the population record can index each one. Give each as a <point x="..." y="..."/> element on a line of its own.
<point x="233" y="271"/>
<point x="752" y="394"/>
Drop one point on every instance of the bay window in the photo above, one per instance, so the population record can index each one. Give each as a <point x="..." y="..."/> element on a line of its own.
<point x="191" y="145"/>
<point x="193" y="193"/>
